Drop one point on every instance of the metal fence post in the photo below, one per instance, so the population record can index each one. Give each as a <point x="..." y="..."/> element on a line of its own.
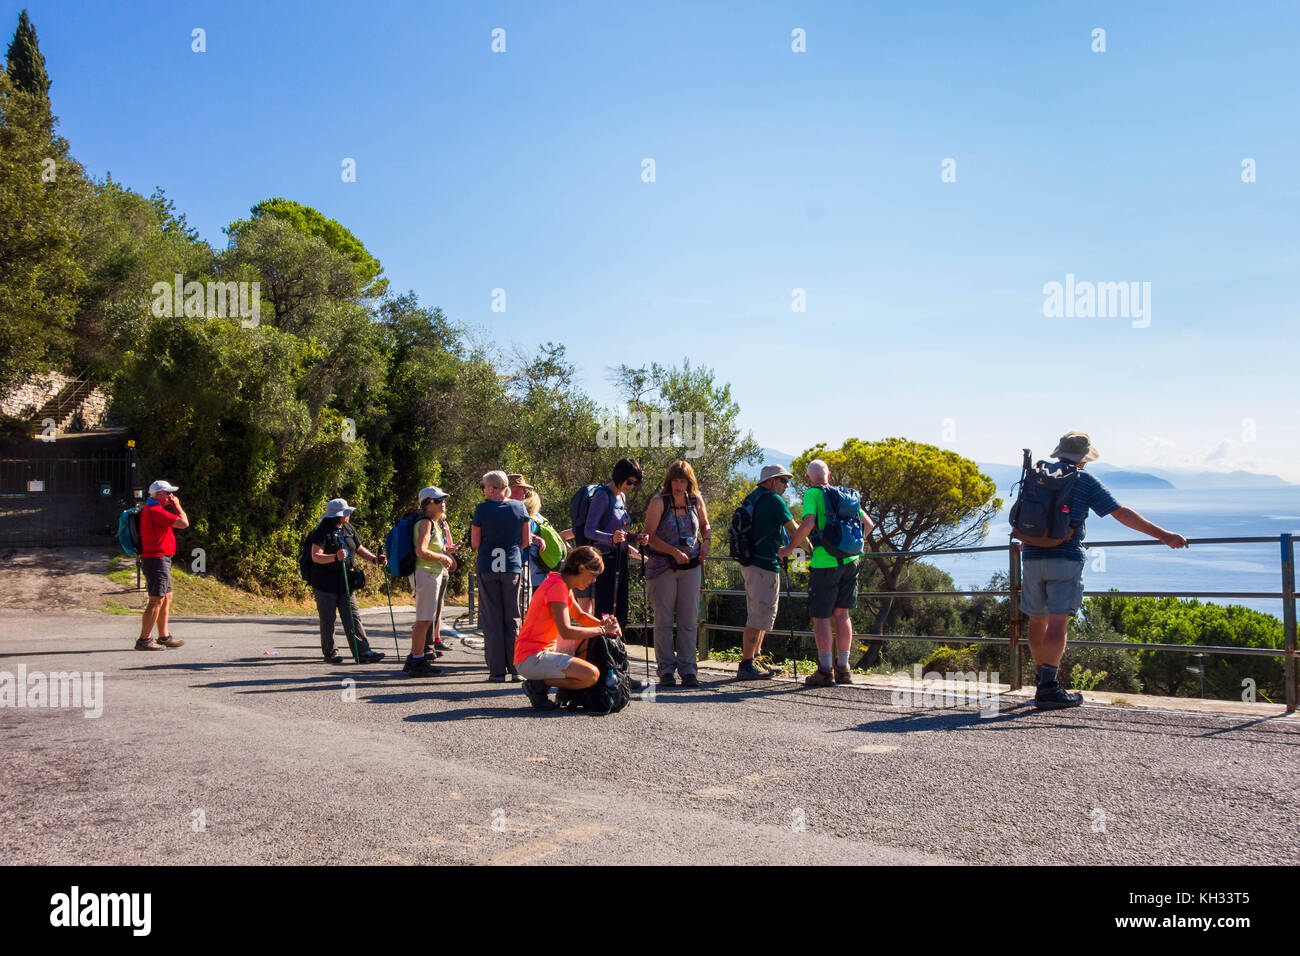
<point x="1013" y="585"/>
<point x="1288" y="619"/>
<point x="702" y="629"/>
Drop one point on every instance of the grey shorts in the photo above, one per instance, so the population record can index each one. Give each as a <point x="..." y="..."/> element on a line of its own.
<point x="762" y="590"/>
<point x="157" y="576"/>
<point x="832" y="589"/>
<point x="1051" y="586"/>
<point x="544" y="665"/>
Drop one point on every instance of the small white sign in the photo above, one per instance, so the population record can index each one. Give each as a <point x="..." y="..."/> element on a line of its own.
<point x="35" y="486"/>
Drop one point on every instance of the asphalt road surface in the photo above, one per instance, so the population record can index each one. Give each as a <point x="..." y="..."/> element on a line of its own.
<point x="222" y="753"/>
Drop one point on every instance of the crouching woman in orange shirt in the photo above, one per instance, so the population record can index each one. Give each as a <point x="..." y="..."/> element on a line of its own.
<point x="553" y="614"/>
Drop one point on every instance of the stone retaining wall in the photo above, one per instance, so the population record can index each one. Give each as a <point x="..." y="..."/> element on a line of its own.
<point x="27" y="398"/>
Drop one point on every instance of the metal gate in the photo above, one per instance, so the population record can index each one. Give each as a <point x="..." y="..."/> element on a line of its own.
<point x="49" y="501"/>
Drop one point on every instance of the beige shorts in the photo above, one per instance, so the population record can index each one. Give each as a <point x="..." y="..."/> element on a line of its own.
<point x="544" y="665"/>
<point x="762" y="589"/>
<point x="429" y="589"/>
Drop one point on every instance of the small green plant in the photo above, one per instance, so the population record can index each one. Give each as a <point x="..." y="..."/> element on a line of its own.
<point x="112" y="607"/>
<point x="1082" y="678"/>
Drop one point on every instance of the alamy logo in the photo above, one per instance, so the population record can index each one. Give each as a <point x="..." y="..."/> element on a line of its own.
<point x="683" y="430"/>
<point x="208" y="300"/>
<point x="103" y="909"/>
<point x="949" y="689"/>
<point x="58" y="689"/>
<point x="1098" y="300"/>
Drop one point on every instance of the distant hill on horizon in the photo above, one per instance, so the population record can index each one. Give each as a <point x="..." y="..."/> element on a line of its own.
<point x="1115" y="476"/>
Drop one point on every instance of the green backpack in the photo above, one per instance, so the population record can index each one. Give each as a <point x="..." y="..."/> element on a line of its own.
<point x="553" y="556"/>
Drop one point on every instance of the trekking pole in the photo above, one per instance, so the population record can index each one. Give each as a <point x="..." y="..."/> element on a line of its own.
<point x="347" y="603"/>
<point x="645" y="613"/>
<point x="789" y="614"/>
<point x="388" y="586"/>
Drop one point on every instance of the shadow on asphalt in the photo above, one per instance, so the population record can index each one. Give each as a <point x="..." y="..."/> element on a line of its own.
<point x="100" y="650"/>
<point x="479" y="713"/>
<point x="950" y="720"/>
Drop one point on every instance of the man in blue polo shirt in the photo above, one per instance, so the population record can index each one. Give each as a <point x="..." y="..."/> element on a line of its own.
<point x="1053" y="577"/>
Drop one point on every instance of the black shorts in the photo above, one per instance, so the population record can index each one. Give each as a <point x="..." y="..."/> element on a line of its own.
<point x="831" y="588"/>
<point x="157" y="576"/>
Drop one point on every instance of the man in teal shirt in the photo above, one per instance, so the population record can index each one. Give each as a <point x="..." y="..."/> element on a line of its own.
<point x="832" y="583"/>
<point x="773" y="524"/>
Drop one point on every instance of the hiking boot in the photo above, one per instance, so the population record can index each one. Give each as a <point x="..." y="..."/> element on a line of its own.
<point x="751" y="672"/>
<point x="496" y="678"/>
<point x="372" y="657"/>
<point x="419" y="668"/>
<point x="690" y="681"/>
<point x="764" y="663"/>
<point x="1056" y="697"/>
<point x="539" y="695"/>
<point x="819" y="678"/>
<point x="842" y="675"/>
<point x="634" y="684"/>
<point x="440" y="645"/>
<point x="170" y="641"/>
<point x="148" y="644"/>
<point x="334" y="659"/>
<point x="669" y="681"/>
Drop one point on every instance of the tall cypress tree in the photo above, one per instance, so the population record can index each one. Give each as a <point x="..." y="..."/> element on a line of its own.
<point x="38" y="272"/>
<point x="25" y="65"/>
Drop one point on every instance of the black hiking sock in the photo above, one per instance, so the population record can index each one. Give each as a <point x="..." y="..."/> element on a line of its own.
<point x="1047" y="675"/>
<point x="747" y="661"/>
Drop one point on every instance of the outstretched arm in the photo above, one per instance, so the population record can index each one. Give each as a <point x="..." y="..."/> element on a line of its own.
<point x="1131" y="519"/>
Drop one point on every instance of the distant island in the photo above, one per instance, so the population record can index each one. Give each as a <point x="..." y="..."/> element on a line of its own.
<point x="1114" y="477"/>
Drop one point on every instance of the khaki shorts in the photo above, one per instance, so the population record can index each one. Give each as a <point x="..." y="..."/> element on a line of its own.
<point x="429" y="590"/>
<point x="544" y="665"/>
<point x="762" y="589"/>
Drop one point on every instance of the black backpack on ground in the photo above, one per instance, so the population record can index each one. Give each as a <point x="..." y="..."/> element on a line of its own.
<point x="613" y="689"/>
<point x="1041" y="515"/>
<point x="580" y="507"/>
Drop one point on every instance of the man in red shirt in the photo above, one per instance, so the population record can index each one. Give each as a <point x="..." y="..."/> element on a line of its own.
<point x="157" y="547"/>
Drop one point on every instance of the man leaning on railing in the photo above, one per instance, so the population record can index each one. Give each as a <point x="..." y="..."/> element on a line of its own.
<point x="1052" y="589"/>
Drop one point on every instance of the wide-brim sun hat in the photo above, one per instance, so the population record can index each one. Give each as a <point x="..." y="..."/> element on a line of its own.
<point x="337" y="508"/>
<point x="773" y="471"/>
<point x="1075" y="447"/>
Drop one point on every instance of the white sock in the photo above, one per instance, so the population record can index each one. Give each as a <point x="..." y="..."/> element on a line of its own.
<point x="824" y="660"/>
<point x="842" y="658"/>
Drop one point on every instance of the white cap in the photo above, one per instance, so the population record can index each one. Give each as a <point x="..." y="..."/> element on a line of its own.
<point x="162" y="485"/>
<point x="433" y="491"/>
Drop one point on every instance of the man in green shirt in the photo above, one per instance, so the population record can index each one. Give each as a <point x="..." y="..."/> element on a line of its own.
<point x="832" y="583"/>
<point x="773" y="524"/>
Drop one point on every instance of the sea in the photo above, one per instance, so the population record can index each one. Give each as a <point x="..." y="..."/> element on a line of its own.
<point x="1217" y="513"/>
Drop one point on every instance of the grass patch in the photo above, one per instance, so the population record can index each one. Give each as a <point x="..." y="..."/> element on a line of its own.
<point x="202" y="595"/>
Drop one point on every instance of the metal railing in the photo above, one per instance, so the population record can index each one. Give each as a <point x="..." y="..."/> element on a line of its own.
<point x="1014" y="638"/>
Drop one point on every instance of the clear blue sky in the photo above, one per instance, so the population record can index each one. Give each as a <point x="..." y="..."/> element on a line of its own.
<point x="774" y="170"/>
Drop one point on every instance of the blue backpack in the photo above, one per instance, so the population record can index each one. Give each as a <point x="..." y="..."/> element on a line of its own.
<point x="399" y="546"/>
<point x="842" y="535"/>
<point x="1041" y="515"/>
<point x="128" y="531"/>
